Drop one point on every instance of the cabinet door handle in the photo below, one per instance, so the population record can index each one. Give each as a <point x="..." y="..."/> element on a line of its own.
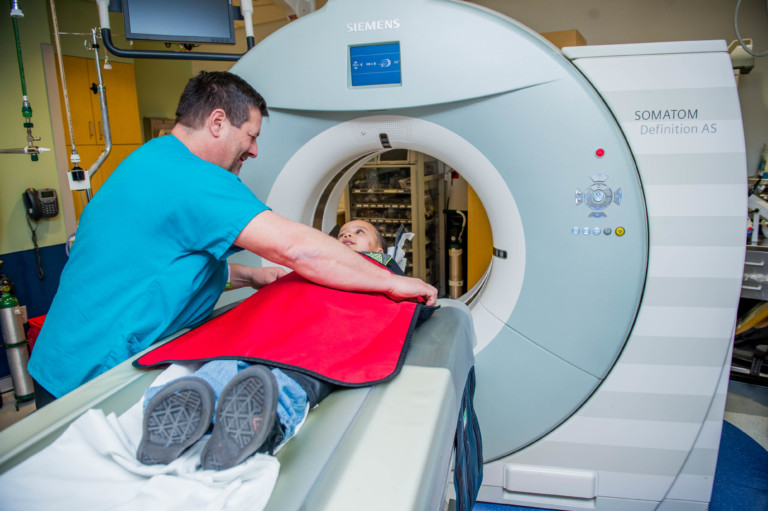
<point x="90" y="128"/>
<point x="101" y="132"/>
<point x="752" y="288"/>
<point x="757" y="263"/>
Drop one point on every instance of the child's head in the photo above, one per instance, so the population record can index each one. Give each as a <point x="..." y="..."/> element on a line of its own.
<point x="362" y="236"/>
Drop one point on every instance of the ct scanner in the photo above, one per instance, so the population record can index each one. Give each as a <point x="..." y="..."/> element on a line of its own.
<point x="614" y="179"/>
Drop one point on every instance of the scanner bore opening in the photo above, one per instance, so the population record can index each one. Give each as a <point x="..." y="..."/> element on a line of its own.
<point x="405" y="187"/>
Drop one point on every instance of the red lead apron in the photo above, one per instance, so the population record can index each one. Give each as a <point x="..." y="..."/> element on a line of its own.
<point x="345" y="338"/>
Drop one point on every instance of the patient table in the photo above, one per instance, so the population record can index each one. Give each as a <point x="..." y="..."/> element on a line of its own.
<point x="383" y="447"/>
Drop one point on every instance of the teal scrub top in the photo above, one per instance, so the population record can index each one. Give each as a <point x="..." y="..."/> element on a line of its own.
<point x="149" y="258"/>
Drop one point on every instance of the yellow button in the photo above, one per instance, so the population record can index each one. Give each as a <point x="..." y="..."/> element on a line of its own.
<point x="619" y="231"/>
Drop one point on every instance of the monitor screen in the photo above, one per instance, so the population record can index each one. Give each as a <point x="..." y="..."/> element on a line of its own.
<point x="194" y="21"/>
<point x="375" y="64"/>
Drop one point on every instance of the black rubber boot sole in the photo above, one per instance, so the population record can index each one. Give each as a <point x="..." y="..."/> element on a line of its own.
<point x="175" y="418"/>
<point x="245" y="416"/>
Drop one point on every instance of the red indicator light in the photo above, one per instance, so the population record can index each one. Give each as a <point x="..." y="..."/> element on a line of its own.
<point x="600" y="153"/>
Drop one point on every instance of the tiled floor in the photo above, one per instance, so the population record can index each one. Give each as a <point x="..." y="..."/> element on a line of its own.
<point x="742" y="465"/>
<point x="747" y="408"/>
<point x="9" y="414"/>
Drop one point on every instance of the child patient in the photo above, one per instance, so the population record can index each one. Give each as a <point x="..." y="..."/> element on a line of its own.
<point x="363" y="237"/>
<point x="257" y="408"/>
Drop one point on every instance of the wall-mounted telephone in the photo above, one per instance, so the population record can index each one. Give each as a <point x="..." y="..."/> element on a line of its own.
<point x="41" y="203"/>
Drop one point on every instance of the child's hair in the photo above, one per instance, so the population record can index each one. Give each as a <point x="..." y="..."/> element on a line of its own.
<point x="381" y="240"/>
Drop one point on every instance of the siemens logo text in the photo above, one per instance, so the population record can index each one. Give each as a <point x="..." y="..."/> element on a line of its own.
<point x="367" y="26"/>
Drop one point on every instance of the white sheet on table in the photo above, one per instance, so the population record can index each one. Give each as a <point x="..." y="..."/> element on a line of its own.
<point x="93" y="466"/>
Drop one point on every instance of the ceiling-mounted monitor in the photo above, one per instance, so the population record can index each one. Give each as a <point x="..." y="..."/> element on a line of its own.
<point x="187" y="21"/>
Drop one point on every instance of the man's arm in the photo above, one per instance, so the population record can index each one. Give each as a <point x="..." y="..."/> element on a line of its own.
<point x="323" y="260"/>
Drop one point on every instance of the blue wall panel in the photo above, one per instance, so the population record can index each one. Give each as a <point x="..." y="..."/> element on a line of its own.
<point x="36" y="294"/>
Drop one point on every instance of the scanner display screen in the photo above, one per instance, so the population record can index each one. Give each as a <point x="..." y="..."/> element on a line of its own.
<point x="375" y="64"/>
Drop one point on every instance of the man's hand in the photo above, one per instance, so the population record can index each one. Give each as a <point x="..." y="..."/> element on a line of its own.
<point x="267" y="275"/>
<point x="408" y="287"/>
<point x="245" y="276"/>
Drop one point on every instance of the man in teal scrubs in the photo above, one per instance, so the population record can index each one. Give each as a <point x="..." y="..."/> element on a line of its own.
<point x="150" y="256"/>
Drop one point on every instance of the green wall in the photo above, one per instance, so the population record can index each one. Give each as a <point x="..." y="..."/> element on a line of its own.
<point x="158" y="82"/>
<point x="18" y="172"/>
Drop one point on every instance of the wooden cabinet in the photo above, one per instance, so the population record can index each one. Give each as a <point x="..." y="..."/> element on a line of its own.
<point x="82" y="119"/>
<point x="122" y="102"/>
<point x="85" y="109"/>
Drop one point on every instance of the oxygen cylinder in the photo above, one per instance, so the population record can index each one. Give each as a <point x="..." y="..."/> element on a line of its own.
<point x="16" y="345"/>
<point x="5" y="281"/>
<point x="457" y="222"/>
<point x="455" y="274"/>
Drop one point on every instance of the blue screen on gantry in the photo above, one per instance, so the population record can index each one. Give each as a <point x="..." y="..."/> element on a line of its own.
<point x="375" y="64"/>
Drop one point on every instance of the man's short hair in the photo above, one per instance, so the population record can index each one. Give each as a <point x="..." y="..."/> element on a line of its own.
<point x="218" y="89"/>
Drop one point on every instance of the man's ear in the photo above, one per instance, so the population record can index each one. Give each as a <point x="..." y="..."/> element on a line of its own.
<point x="216" y="122"/>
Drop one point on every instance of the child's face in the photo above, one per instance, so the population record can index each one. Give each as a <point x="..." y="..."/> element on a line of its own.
<point x="360" y="236"/>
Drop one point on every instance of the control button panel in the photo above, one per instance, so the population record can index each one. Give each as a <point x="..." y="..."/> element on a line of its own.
<point x="598" y="196"/>
<point x="597" y="231"/>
